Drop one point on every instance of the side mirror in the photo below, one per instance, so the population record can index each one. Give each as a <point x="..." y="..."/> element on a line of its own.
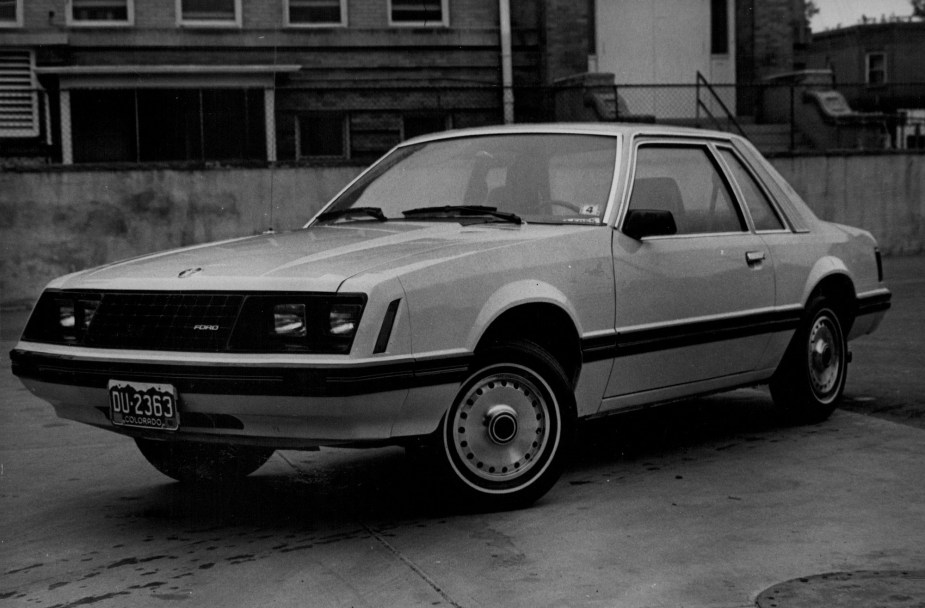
<point x="640" y="223"/>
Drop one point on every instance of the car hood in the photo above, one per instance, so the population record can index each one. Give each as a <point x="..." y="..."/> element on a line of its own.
<point x="316" y="259"/>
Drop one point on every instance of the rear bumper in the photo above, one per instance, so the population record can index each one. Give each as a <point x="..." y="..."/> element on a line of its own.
<point x="286" y="405"/>
<point x="871" y="308"/>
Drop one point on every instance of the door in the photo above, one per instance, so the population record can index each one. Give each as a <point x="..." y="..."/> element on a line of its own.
<point x="691" y="306"/>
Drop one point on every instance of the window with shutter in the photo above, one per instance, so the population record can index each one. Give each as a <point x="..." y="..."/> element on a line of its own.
<point x="19" y="98"/>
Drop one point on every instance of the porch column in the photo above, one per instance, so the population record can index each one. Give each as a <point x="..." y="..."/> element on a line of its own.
<point x="67" y="143"/>
<point x="269" y="110"/>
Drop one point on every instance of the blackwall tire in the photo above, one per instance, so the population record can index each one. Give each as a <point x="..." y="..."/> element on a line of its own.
<point x="810" y="381"/>
<point x="509" y="430"/>
<point x="191" y="462"/>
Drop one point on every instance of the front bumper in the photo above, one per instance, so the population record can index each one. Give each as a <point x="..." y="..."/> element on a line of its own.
<point x="271" y="401"/>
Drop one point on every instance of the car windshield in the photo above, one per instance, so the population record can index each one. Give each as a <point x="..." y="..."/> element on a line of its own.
<point x="541" y="178"/>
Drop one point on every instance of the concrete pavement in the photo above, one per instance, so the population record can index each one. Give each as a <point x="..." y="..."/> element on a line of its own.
<point x="705" y="503"/>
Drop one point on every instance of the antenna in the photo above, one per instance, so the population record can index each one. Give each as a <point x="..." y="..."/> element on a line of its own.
<point x="271" y="156"/>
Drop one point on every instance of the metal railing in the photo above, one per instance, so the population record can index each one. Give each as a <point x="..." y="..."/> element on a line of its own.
<point x="776" y="116"/>
<point x="705" y="89"/>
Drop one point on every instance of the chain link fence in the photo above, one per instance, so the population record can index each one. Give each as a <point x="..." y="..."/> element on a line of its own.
<point x="352" y="122"/>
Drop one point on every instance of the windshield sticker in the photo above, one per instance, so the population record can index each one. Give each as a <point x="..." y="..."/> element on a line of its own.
<point x="590" y="210"/>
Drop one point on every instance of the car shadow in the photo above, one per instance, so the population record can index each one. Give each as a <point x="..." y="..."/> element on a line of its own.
<point x="383" y="485"/>
<point x="304" y="501"/>
<point x="677" y="426"/>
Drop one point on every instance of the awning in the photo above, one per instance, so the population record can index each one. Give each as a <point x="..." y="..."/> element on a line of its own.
<point x="165" y="76"/>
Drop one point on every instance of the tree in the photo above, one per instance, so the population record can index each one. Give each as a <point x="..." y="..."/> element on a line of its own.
<point x="810" y="9"/>
<point x="918" y="8"/>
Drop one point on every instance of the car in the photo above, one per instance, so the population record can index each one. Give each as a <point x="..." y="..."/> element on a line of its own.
<point x="475" y="293"/>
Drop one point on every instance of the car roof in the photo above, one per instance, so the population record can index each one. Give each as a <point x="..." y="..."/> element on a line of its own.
<point x="629" y="130"/>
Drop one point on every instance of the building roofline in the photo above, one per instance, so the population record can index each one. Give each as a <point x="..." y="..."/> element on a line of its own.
<point x="858" y="27"/>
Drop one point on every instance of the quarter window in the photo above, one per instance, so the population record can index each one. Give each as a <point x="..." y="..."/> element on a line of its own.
<point x="209" y="12"/>
<point x="106" y="12"/>
<point x="686" y="182"/>
<point x="10" y="13"/>
<point x="308" y="13"/>
<point x="418" y="12"/>
<point x="759" y="206"/>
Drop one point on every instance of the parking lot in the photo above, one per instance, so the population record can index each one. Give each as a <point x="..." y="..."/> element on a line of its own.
<point x="706" y="503"/>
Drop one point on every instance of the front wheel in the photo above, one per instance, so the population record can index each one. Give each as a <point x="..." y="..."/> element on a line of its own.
<point x="809" y="382"/>
<point x="507" y="434"/>
<point x="188" y="461"/>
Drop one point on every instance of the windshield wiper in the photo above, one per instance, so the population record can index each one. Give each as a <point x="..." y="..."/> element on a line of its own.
<point x="465" y="210"/>
<point x="373" y="212"/>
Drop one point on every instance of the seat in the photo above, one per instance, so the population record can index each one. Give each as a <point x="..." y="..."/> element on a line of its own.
<point x="661" y="193"/>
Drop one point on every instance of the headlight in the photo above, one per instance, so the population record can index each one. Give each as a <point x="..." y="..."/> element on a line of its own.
<point x="289" y="320"/>
<point x="69" y="318"/>
<point x="306" y="323"/>
<point x="87" y="310"/>
<point x="344" y="319"/>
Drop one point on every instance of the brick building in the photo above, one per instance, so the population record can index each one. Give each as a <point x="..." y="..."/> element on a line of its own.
<point x="772" y="37"/>
<point x="210" y="80"/>
<point x="879" y="63"/>
<point x="89" y="81"/>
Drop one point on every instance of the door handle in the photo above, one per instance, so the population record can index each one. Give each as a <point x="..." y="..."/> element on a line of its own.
<point x="754" y="257"/>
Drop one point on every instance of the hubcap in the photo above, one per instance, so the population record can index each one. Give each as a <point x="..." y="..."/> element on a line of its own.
<point x="501" y="421"/>
<point x="501" y="427"/>
<point x="825" y="357"/>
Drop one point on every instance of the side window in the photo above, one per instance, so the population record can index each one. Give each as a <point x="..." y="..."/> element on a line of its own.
<point x="756" y="200"/>
<point x="684" y="181"/>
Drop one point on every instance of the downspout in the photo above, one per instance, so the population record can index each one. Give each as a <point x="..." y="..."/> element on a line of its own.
<point x="592" y="37"/>
<point x="507" y="70"/>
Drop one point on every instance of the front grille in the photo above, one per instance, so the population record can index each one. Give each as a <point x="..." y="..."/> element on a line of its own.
<point x="158" y="321"/>
<point x="188" y="321"/>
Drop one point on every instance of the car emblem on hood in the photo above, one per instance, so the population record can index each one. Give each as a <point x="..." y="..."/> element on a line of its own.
<point x="189" y="272"/>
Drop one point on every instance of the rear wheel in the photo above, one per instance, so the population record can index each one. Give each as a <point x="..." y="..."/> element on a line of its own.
<point x="506" y="436"/>
<point x="810" y="381"/>
<point x="189" y="461"/>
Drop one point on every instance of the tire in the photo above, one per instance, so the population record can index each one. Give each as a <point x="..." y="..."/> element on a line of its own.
<point x="188" y="461"/>
<point x="810" y="380"/>
<point x="509" y="430"/>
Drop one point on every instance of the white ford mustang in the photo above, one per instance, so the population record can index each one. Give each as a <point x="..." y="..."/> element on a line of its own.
<point x="479" y="291"/>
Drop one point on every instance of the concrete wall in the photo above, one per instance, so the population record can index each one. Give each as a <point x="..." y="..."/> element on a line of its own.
<point x="884" y="194"/>
<point x="54" y="222"/>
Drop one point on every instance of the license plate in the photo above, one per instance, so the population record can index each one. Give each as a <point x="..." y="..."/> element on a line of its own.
<point x="143" y="405"/>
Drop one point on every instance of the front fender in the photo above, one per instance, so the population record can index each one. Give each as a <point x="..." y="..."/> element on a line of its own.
<point x="511" y="295"/>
